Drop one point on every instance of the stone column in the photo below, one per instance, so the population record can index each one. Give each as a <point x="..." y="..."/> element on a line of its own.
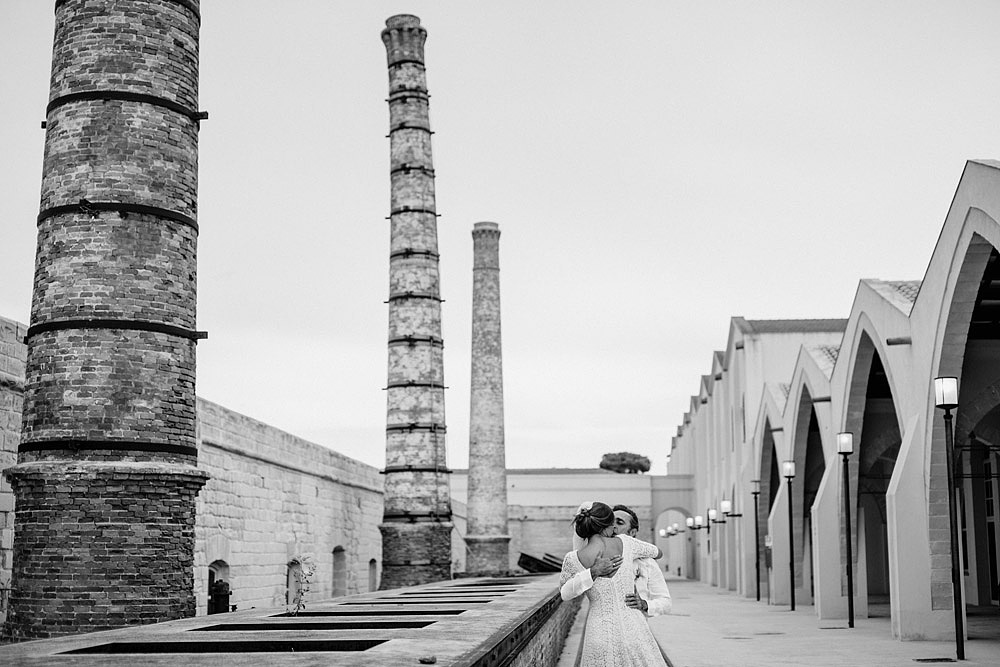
<point x="106" y="481"/>
<point x="486" y="537"/>
<point x="416" y="526"/>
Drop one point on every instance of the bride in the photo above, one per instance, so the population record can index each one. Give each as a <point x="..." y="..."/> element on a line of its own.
<point x="615" y="634"/>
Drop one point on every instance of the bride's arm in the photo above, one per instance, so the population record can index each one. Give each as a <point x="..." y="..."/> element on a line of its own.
<point x="642" y="549"/>
<point x="574" y="581"/>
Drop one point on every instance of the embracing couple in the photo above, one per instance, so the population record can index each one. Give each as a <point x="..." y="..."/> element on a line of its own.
<point x="620" y="597"/>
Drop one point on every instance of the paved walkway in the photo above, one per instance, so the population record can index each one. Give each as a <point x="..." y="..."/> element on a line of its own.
<point x="713" y="628"/>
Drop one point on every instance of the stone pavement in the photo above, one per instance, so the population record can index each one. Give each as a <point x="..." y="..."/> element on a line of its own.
<point x="713" y="628"/>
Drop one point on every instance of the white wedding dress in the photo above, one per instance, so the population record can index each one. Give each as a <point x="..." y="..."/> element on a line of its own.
<point x="616" y="636"/>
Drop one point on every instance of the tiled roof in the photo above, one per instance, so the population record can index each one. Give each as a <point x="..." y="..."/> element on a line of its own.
<point x="794" y="326"/>
<point x="825" y="357"/>
<point x="900" y="293"/>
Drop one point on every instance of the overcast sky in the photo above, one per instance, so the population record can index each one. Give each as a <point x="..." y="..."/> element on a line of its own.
<point x="655" y="168"/>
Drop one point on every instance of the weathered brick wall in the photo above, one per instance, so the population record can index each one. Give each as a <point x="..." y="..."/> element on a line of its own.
<point x="273" y="496"/>
<point x="12" y="353"/>
<point x="134" y="521"/>
<point x="546" y="646"/>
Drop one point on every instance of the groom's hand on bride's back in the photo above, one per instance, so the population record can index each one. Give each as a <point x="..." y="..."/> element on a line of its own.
<point x="605" y="567"/>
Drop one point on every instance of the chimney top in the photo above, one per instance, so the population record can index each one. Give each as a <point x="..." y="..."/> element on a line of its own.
<point x="403" y="21"/>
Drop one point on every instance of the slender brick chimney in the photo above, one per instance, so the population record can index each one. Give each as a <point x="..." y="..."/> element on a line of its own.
<point x="416" y="526"/>
<point x="106" y="481"/>
<point x="486" y="537"/>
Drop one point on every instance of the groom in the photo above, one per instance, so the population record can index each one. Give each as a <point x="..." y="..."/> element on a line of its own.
<point x="653" y="598"/>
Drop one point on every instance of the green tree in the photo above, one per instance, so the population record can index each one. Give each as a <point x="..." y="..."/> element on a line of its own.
<point x="625" y="462"/>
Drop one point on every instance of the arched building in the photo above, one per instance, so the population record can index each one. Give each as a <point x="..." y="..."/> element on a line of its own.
<point x="783" y="389"/>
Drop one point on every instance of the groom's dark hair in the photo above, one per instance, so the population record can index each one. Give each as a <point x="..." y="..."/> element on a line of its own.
<point x="635" y="519"/>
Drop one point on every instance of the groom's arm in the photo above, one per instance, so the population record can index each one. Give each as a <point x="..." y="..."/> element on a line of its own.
<point x="659" y="601"/>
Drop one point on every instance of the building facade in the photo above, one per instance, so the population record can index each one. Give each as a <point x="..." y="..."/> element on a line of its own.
<point x="874" y="379"/>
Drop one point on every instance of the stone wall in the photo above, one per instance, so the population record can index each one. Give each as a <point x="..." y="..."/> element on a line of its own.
<point x="545" y="648"/>
<point x="273" y="497"/>
<point x="12" y="354"/>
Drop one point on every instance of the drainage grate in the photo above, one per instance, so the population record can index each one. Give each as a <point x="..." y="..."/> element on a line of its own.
<point x="935" y="660"/>
<point x="286" y="646"/>
<point x="314" y="625"/>
<point x="405" y="601"/>
<point x="377" y="612"/>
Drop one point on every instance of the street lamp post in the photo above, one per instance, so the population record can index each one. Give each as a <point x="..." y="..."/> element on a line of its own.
<point x="845" y="447"/>
<point x="768" y="544"/>
<point x="698" y="523"/>
<point x="708" y="528"/>
<point x="756" y="531"/>
<point x="789" y="474"/>
<point x="946" y="398"/>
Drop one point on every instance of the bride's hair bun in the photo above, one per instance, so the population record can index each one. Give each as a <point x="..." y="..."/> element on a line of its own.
<point x="590" y="521"/>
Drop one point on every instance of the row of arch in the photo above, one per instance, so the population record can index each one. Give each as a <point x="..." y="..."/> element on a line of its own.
<point x="878" y="385"/>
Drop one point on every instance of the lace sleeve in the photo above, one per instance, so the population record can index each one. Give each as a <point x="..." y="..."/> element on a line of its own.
<point x="570" y="566"/>
<point x="642" y="549"/>
<point x="575" y="579"/>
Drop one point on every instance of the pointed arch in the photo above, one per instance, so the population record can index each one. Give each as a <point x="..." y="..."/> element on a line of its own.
<point x="966" y="341"/>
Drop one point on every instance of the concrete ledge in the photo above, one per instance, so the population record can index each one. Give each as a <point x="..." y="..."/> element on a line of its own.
<point x="516" y="621"/>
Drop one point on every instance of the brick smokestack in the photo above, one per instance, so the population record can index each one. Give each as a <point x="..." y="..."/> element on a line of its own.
<point x="416" y="526"/>
<point x="487" y="538"/>
<point x="106" y="481"/>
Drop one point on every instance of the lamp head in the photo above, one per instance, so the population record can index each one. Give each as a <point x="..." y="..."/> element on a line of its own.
<point x="726" y="506"/>
<point x="946" y="393"/>
<point x="663" y="532"/>
<point x="755" y="485"/>
<point x="699" y="521"/>
<point x="845" y="443"/>
<point x="712" y="514"/>
<point x="689" y="521"/>
<point x="788" y="469"/>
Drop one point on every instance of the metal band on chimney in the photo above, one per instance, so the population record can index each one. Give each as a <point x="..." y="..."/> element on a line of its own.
<point x="123" y="209"/>
<point x="124" y="325"/>
<point x="126" y="96"/>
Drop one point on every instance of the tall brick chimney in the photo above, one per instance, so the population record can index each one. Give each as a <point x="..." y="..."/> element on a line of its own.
<point x="106" y="481"/>
<point x="486" y="537"/>
<point x="416" y="525"/>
